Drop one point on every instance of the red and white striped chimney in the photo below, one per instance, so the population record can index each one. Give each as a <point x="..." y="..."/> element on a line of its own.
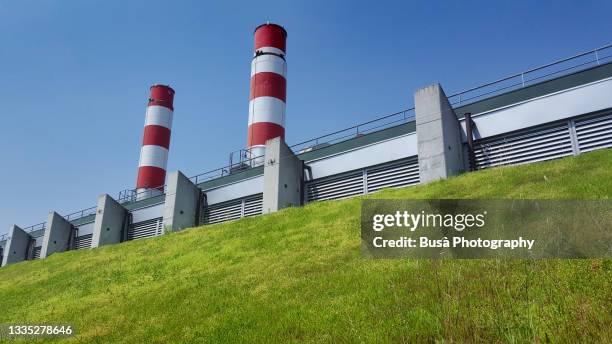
<point x="268" y="88"/>
<point x="155" y="142"/>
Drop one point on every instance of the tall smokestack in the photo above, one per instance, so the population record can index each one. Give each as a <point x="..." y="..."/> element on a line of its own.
<point x="268" y="88"/>
<point x="155" y="142"/>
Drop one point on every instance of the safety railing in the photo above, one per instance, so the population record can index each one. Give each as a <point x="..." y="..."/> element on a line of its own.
<point x="377" y="124"/>
<point x="36" y="227"/>
<point x="132" y="195"/>
<point x="529" y="77"/>
<point x="244" y="163"/>
<point x="81" y="213"/>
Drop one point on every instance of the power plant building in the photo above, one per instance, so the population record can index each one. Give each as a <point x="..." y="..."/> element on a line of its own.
<point x="546" y="113"/>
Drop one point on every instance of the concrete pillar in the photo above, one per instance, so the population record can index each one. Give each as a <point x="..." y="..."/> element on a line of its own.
<point x="58" y="235"/>
<point x="182" y="204"/>
<point x="17" y="246"/>
<point x="110" y="224"/>
<point x="283" y="173"/>
<point x="438" y="131"/>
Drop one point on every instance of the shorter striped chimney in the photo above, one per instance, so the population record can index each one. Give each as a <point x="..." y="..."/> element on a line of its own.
<point x="155" y="142"/>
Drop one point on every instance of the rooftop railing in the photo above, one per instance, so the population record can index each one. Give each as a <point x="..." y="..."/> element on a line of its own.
<point x="36" y="227"/>
<point x="526" y="78"/>
<point x="240" y="160"/>
<point x="531" y="76"/>
<point x="377" y="124"/>
<point x="133" y="195"/>
<point x="81" y="213"/>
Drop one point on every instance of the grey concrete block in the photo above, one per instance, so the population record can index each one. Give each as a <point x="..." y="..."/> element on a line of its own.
<point x="182" y="203"/>
<point x="110" y="223"/>
<point x="17" y="246"/>
<point x="283" y="174"/>
<point x="440" y="148"/>
<point x="58" y="235"/>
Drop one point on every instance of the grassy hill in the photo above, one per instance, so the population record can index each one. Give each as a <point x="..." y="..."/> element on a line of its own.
<point x="297" y="276"/>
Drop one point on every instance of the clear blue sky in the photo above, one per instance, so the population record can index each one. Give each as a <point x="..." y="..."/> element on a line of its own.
<point x="74" y="76"/>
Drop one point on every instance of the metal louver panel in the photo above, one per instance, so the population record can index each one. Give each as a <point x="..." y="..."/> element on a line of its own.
<point x="145" y="229"/>
<point x="397" y="173"/>
<point x="530" y="145"/>
<point x="36" y="252"/>
<point x="594" y="132"/>
<point x="83" y="242"/>
<point x="221" y="212"/>
<point x="342" y="186"/>
<point x="234" y="209"/>
<point x="253" y="206"/>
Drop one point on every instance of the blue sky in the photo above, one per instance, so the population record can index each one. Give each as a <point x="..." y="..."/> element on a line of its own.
<point x="74" y="76"/>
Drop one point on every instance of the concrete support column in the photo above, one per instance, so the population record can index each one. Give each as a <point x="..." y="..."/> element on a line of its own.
<point x="111" y="222"/>
<point x="283" y="175"/>
<point x="182" y="204"/>
<point x="17" y="246"/>
<point x="438" y="131"/>
<point x="59" y="235"/>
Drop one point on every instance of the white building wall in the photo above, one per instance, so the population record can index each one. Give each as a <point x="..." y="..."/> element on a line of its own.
<point x="376" y="153"/>
<point x="564" y="104"/>
<point x="235" y="190"/>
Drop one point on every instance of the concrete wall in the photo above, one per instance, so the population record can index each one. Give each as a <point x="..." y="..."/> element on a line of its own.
<point x="283" y="173"/>
<point x="182" y="202"/>
<point x="17" y="246"/>
<point x="110" y="225"/>
<point x="439" y="135"/>
<point x="58" y="237"/>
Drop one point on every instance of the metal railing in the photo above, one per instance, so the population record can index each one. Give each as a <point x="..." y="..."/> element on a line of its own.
<point x="81" y="213"/>
<point x="516" y="81"/>
<point x="548" y="71"/>
<point x="244" y="163"/>
<point x="377" y="124"/>
<point x="36" y="227"/>
<point x="132" y="195"/>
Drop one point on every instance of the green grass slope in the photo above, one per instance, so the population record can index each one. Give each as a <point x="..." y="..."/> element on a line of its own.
<point x="297" y="276"/>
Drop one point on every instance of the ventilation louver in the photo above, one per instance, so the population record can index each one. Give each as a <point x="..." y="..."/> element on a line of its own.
<point x="594" y="132"/>
<point x="397" y="173"/>
<point x="234" y="209"/>
<point x="83" y="242"/>
<point x="525" y="146"/>
<point x="145" y="229"/>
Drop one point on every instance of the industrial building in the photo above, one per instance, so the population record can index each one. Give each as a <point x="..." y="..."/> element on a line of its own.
<point x="560" y="109"/>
